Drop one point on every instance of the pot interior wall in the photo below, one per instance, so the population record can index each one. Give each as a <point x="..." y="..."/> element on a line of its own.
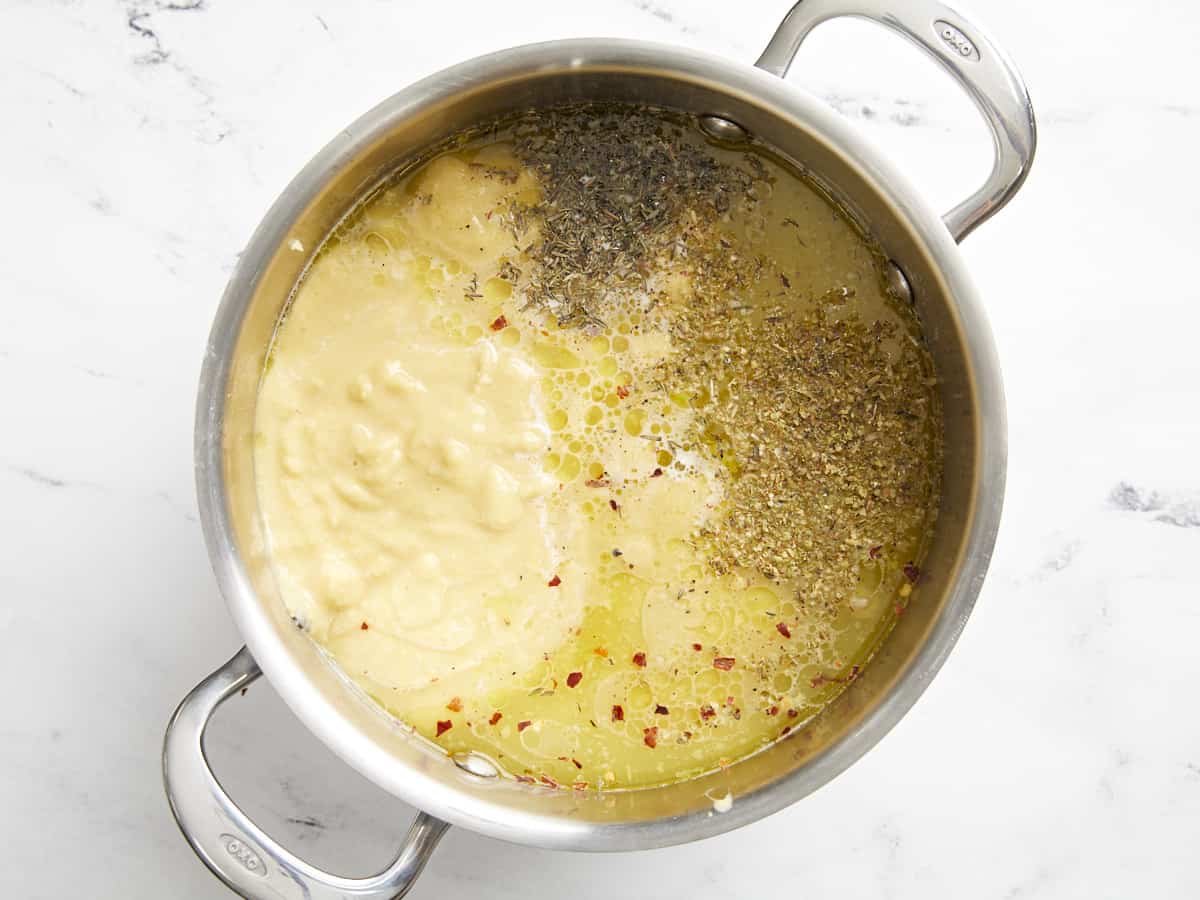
<point x="373" y="149"/>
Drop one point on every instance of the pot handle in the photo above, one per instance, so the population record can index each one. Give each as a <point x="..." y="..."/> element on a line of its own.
<point x="234" y="848"/>
<point x="965" y="51"/>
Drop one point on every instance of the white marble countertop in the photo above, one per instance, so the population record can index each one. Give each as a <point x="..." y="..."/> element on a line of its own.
<point x="1057" y="754"/>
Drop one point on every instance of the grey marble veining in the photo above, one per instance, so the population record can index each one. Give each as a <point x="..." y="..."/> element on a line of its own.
<point x="1057" y="754"/>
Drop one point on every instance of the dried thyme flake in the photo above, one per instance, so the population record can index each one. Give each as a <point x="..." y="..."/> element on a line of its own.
<point x="505" y="176"/>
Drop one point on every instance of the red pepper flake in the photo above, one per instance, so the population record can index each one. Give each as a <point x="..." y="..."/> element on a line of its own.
<point x="707" y="712"/>
<point x="661" y="710"/>
<point x="576" y="763"/>
<point x="897" y="609"/>
<point x="657" y="471"/>
<point x="600" y="651"/>
<point x="639" y="659"/>
<point x="618" y="713"/>
<point x="526" y="779"/>
<point x="574" y="678"/>
<point x="443" y="726"/>
<point x="488" y="214"/>
<point x="455" y="704"/>
<point x="724" y="663"/>
<point x="597" y="482"/>
<point x="876" y="551"/>
<point x="787" y="729"/>
<point x="579" y="785"/>
<point x="622" y="391"/>
<point x="500" y="322"/>
<point x="547" y="780"/>
<point x="912" y="573"/>
<point x="784" y="279"/>
<point x="782" y="628"/>
<point x="521" y="726"/>
<point x="697" y="647"/>
<point x="792" y="713"/>
<point x="554" y="582"/>
<point x="772" y="710"/>
<point x="496" y="717"/>
<point x="614" y="505"/>
<point x="650" y="736"/>
<point x="363" y="627"/>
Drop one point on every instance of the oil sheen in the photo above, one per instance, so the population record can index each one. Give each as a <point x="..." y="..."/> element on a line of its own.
<point x="517" y="529"/>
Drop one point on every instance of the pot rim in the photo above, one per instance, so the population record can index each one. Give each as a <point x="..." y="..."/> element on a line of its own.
<point x="470" y="810"/>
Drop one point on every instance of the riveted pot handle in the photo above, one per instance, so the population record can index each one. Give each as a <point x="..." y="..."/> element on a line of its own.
<point x="234" y="848"/>
<point x="965" y="51"/>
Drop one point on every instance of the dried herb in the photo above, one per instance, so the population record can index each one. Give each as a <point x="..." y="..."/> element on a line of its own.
<point x="615" y="182"/>
<point x="828" y="433"/>
<point x="472" y="291"/>
<point x="823" y="679"/>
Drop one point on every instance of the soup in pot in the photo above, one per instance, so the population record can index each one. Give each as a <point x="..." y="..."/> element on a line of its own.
<point x="598" y="448"/>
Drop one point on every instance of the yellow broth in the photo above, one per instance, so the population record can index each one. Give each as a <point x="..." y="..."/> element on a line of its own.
<point x="514" y="531"/>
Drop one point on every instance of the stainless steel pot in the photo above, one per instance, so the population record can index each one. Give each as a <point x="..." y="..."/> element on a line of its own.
<point x="730" y="99"/>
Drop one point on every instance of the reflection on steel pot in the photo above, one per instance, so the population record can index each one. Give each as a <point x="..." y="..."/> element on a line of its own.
<point x="729" y="100"/>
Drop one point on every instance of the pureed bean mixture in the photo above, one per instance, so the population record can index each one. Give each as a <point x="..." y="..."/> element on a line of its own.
<point x="599" y="449"/>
